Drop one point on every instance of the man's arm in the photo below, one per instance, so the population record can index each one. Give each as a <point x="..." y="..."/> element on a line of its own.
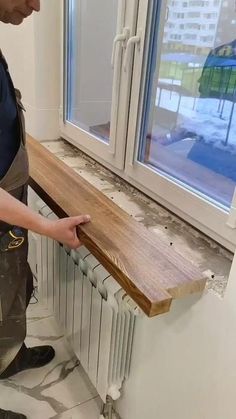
<point x="16" y="213"/>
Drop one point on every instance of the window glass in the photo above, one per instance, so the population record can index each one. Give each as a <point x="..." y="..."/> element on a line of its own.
<point x="189" y="116"/>
<point x="92" y="28"/>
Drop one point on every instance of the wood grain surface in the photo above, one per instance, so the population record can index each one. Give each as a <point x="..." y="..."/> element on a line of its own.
<point x="151" y="272"/>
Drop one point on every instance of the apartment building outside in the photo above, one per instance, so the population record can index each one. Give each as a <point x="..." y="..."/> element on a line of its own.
<point x="191" y="25"/>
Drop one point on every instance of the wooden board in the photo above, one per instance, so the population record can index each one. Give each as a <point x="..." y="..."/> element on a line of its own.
<point x="151" y="272"/>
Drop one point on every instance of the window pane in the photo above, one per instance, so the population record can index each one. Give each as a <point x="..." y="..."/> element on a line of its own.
<point x="92" y="28"/>
<point x="189" y="128"/>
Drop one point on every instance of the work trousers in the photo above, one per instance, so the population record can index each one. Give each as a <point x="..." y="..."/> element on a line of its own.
<point x="16" y="286"/>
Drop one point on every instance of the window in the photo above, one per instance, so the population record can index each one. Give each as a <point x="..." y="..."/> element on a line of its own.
<point x="96" y="90"/>
<point x="190" y="36"/>
<point x="160" y="112"/>
<point x="196" y="3"/>
<point x="210" y="15"/>
<point x="90" y="93"/>
<point x="175" y="36"/>
<point x="193" y="26"/>
<point x="194" y="14"/>
<point x="179" y="15"/>
<point x="206" y="38"/>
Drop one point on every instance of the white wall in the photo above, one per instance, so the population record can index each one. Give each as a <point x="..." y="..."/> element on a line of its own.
<point x="33" y="54"/>
<point x="184" y="362"/>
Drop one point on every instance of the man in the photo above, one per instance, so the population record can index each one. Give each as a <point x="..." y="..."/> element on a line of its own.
<point x="16" y="218"/>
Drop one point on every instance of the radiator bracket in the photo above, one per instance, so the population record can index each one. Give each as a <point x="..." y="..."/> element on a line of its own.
<point x="108" y="411"/>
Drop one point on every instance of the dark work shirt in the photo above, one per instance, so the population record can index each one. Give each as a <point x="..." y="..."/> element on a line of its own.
<point x="9" y="130"/>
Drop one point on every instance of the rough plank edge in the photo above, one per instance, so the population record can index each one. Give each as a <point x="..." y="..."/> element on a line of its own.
<point x="197" y="286"/>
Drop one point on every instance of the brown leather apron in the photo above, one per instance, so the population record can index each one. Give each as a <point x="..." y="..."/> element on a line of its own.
<point x="15" y="273"/>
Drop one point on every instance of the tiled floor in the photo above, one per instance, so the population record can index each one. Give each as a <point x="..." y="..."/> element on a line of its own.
<point x="59" y="390"/>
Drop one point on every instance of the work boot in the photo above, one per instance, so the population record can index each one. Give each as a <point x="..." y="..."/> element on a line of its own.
<point x="35" y="357"/>
<point x="38" y="357"/>
<point x="6" y="414"/>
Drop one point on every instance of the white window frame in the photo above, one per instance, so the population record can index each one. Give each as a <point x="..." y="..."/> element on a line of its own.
<point x="123" y="159"/>
<point x="114" y="151"/>
<point x="195" y="209"/>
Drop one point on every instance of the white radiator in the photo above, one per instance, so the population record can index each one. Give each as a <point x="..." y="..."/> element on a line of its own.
<point x="92" y="309"/>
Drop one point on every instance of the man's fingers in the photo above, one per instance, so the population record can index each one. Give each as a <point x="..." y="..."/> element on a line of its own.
<point x="81" y="219"/>
<point x="65" y="230"/>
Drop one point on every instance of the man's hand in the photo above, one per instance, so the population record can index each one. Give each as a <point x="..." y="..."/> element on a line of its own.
<point x="16" y="213"/>
<point x="64" y="230"/>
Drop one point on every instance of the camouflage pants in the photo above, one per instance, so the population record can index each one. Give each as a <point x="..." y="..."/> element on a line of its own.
<point x="16" y="285"/>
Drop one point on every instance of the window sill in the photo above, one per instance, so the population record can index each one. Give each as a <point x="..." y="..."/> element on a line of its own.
<point x="209" y="258"/>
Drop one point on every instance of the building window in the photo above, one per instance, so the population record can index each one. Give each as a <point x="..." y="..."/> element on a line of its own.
<point x="179" y="15"/>
<point x="190" y="36"/>
<point x="194" y="14"/>
<point x="206" y="38"/>
<point x="193" y="26"/>
<point x="196" y="3"/>
<point x="210" y="15"/>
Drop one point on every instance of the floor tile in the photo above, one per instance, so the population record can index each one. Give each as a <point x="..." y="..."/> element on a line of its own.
<point x="72" y="390"/>
<point x="44" y="329"/>
<point x="36" y="312"/>
<point x="49" y="391"/>
<point x="15" y="400"/>
<point x="89" y="410"/>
